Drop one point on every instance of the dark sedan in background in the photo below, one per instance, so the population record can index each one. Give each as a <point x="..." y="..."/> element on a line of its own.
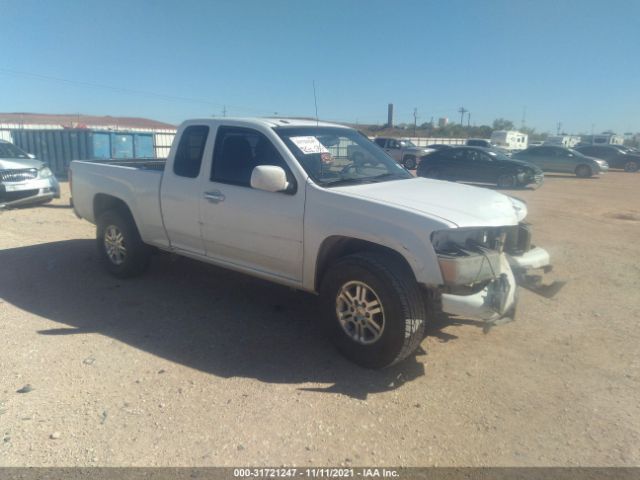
<point x="479" y="165"/>
<point x="616" y="156"/>
<point x="562" y="160"/>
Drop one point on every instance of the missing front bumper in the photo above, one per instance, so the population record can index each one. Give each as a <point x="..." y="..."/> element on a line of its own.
<point x="497" y="301"/>
<point x="494" y="302"/>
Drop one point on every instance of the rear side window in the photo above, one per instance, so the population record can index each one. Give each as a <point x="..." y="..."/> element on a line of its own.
<point x="190" y="149"/>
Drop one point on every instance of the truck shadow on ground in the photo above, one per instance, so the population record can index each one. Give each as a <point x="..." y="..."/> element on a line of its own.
<point x="203" y="317"/>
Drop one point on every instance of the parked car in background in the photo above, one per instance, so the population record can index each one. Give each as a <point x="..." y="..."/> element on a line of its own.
<point x="615" y="155"/>
<point x="484" y="143"/>
<point x="480" y="165"/>
<point x="403" y="151"/>
<point x="562" y="160"/>
<point x="479" y="142"/>
<point x="439" y="146"/>
<point x="23" y="179"/>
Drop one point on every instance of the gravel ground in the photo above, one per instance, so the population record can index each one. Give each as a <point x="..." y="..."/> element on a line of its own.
<point x="191" y="365"/>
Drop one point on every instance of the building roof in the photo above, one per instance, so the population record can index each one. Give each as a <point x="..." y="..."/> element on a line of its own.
<point x="82" y="121"/>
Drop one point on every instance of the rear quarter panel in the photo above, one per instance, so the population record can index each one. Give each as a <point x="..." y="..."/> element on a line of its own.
<point x="138" y="189"/>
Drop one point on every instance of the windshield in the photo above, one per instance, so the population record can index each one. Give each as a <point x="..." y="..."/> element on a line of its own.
<point x="576" y="152"/>
<point x="407" y="143"/>
<point x="9" y="150"/>
<point x="498" y="155"/>
<point x="339" y="156"/>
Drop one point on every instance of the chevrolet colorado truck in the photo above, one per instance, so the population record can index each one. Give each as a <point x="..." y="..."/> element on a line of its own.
<point x="280" y="199"/>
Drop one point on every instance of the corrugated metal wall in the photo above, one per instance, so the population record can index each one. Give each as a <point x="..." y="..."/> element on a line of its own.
<point x="58" y="148"/>
<point x="162" y="143"/>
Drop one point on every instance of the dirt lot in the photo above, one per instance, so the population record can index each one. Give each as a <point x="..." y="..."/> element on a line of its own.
<point x="192" y="365"/>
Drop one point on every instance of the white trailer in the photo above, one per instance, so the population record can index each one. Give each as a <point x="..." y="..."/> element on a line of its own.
<point x="567" y="141"/>
<point x="510" y="139"/>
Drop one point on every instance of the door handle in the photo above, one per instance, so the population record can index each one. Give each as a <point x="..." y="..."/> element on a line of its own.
<point x="215" y="196"/>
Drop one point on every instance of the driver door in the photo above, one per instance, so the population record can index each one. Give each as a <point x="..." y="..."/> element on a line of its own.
<point x="245" y="227"/>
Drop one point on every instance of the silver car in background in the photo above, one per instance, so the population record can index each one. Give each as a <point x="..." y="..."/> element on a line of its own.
<point x="23" y="179"/>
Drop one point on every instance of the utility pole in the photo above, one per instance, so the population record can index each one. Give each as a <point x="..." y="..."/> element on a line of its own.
<point x="224" y="110"/>
<point x="524" y="117"/>
<point x="468" y="119"/>
<point x="559" y="128"/>
<point x="462" y="111"/>
<point x="415" y="120"/>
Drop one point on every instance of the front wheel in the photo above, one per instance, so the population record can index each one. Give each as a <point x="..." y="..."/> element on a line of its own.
<point x="373" y="308"/>
<point x="507" y="180"/>
<point x="121" y="250"/>
<point x="410" y="162"/>
<point x="631" y="166"/>
<point x="583" y="171"/>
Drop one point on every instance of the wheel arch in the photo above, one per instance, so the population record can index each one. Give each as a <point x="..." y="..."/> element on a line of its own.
<point x="103" y="202"/>
<point x="337" y="246"/>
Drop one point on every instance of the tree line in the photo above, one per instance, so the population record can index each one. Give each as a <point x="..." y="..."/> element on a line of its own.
<point x="451" y="130"/>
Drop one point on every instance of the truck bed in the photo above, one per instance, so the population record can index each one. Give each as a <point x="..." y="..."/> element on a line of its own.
<point x="134" y="181"/>
<point x="138" y="163"/>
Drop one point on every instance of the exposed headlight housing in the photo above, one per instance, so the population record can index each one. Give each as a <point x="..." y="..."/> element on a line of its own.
<point x="45" y="172"/>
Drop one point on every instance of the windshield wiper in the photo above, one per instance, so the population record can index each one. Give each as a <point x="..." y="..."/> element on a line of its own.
<point x="346" y="181"/>
<point x="355" y="180"/>
<point x="387" y="176"/>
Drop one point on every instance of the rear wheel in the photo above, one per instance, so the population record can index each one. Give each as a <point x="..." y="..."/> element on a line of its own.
<point x="409" y="162"/>
<point x="507" y="180"/>
<point x="373" y="308"/>
<point x="121" y="250"/>
<point x="631" y="166"/>
<point x="583" y="171"/>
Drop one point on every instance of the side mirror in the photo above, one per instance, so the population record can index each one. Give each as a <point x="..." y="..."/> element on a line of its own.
<point x="269" y="178"/>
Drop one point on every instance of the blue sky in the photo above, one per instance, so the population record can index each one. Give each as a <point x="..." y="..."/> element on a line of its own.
<point x="575" y="62"/>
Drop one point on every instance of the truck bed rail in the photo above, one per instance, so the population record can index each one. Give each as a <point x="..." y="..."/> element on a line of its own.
<point x="141" y="164"/>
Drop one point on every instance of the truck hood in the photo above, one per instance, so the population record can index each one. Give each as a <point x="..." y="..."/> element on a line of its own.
<point x="19" y="163"/>
<point x="461" y="205"/>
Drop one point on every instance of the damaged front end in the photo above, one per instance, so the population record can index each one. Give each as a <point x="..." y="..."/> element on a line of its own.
<point x="482" y="268"/>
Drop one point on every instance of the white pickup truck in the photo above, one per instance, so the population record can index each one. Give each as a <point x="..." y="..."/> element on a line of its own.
<point x="281" y="199"/>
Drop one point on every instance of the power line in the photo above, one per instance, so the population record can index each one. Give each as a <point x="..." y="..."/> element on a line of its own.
<point x="127" y="91"/>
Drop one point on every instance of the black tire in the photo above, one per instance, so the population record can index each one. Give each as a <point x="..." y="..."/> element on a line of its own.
<point x="409" y="162"/>
<point x="507" y="180"/>
<point x="631" y="166"/>
<point x="136" y="256"/>
<point x="401" y="323"/>
<point x="583" y="171"/>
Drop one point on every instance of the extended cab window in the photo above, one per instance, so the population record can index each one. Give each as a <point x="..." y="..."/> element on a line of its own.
<point x="238" y="151"/>
<point x="190" y="149"/>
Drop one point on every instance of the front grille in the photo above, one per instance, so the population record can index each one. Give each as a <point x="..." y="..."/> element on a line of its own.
<point x="18" y="175"/>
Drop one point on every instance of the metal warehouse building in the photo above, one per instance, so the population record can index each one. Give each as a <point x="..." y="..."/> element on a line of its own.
<point x="58" y="139"/>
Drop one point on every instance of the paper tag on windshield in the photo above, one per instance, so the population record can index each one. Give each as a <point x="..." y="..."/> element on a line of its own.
<point x="309" y="145"/>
